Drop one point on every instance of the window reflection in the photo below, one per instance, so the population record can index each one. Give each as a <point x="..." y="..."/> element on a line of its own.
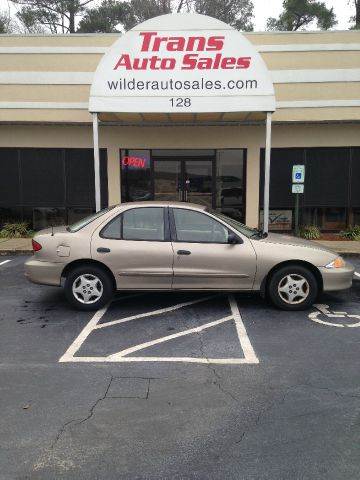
<point x="135" y="175"/>
<point x="230" y="183"/>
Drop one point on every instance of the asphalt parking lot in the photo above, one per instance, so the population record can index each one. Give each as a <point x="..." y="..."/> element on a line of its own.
<point x="177" y="386"/>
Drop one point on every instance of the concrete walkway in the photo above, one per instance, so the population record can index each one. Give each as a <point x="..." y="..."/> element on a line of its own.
<point x="343" y="247"/>
<point x="22" y="246"/>
<point x="15" y="246"/>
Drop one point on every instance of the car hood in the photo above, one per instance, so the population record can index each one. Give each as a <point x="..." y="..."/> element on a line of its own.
<point x="281" y="239"/>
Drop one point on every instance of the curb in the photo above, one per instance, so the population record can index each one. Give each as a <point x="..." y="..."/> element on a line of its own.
<point x="15" y="252"/>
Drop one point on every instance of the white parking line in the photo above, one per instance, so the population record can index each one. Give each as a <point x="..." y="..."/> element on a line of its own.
<point x="249" y="353"/>
<point x="5" y="261"/>
<point x="136" y="348"/>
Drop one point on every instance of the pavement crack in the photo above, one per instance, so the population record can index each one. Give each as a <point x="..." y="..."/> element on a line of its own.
<point x="79" y="421"/>
<point x="327" y="389"/>
<point x="259" y="416"/>
<point x="212" y="368"/>
<point x="278" y="401"/>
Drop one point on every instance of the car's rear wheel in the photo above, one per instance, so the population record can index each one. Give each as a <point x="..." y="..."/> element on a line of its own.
<point x="88" y="287"/>
<point x="293" y="287"/>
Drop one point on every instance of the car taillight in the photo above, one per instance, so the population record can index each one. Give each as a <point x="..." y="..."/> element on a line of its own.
<point x="36" y="246"/>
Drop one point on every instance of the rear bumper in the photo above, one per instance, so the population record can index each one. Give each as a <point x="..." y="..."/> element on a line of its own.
<point x="337" y="278"/>
<point x="43" y="273"/>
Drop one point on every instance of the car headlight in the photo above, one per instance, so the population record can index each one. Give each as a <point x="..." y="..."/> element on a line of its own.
<point x="337" y="263"/>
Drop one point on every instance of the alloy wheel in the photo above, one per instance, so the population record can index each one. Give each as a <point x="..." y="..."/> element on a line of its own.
<point x="87" y="288"/>
<point x="293" y="289"/>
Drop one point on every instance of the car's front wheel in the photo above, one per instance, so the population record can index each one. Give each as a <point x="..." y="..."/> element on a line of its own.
<point x="88" y="287"/>
<point x="293" y="288"/>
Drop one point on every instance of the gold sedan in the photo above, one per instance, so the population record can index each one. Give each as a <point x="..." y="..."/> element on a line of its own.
<point x="166" y="246"/>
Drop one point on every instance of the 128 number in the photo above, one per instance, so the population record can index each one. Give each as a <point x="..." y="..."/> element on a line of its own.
<point x="180" y="102"/>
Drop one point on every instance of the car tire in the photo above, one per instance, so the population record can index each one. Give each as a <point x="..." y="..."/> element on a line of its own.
<point x="293" y="288"/>
<point x="88" y="287"/>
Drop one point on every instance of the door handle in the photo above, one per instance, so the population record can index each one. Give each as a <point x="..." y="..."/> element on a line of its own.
<point x="103" y="250"/>
<point x="183" y="252"/>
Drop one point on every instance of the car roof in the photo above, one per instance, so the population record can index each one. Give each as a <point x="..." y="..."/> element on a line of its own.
<point x="157" y="203"/>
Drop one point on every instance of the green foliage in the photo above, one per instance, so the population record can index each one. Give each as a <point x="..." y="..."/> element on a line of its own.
<point x="310" y="232"/>
<point x="115" y="15"/>
<point x="353" y="233"/>
<point x="16" y="230"/>
<point x="297" y="14"/>
<point x="238" y="13"/>
<point x="106" y="18"/>
<point x="356" y="17"/>
<point x="56" y="16"/>
<point x="6" y="23"/>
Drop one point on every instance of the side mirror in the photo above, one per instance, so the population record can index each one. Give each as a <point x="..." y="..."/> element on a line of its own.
<point x="233" y="239"/>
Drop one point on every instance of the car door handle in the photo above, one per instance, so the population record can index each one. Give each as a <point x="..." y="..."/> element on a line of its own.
<point x="183" y="252"/>
<point x="103" y="250"/>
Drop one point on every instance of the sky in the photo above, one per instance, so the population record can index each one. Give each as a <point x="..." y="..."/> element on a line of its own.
<point x="272" y="8"/>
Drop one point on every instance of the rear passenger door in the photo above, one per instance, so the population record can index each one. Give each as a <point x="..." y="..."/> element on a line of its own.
<point x="136" y="246"/>
<point x="203" y="258"/>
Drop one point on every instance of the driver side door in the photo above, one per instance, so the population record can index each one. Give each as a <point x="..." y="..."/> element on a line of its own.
<point x="203" y="258"/>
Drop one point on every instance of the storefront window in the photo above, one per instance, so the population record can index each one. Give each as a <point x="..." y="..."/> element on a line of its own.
<point x="331" y="218"/>
<point x="230" y="192"/>
<point x="331" y="185"/>
<point x="135" y="175"/>
<point x="48" y="216"/>
<point x="355" y="214"/>
<point x="46" y="187"/>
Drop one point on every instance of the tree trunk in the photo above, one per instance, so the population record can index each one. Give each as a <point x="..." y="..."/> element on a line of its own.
<point x="357" y="15"/>
<point x="71" y="20"/>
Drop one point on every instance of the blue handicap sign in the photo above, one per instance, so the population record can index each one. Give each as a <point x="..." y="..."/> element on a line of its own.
<point x="298" y="176"/>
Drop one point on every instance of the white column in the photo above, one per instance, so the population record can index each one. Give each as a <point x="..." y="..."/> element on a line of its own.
<point x="267" y="173"/>
<point x="96" y="161"/>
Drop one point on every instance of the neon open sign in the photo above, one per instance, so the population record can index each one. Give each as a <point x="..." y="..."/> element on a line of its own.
<point x="137" y="162"/>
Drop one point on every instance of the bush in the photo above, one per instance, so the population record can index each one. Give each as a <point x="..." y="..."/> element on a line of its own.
<point x="353" y="233"/>
<point x="310" y="232"/>
<point x="16" y="230"/>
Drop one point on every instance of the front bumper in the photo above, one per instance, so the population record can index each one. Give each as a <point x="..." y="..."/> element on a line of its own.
<point x="43" y="273"/>
<point x="337" y="278"/>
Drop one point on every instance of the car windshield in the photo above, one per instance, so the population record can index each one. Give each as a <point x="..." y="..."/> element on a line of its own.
<point x="240" y="227"/>
<point x="75" y="227"/>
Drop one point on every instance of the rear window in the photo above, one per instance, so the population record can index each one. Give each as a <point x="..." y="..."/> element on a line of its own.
<point x="75" y="227"/>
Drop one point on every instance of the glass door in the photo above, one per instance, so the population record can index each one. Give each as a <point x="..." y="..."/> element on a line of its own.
<point x="168" y="180"/>
<point x="198" y="182"/>
<point x="184" y="180"/>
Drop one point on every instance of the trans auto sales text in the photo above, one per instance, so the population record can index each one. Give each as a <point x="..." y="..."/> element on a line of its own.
<point x="191" y="60"/>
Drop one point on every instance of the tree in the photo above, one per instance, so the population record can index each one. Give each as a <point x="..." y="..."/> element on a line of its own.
<point x="238" y="13"/>
<point x="111" y="13"/>
<point x="58" y="16"/>
<point x="5" y="23"/>
<point x="105" y="18"/>
<point x="297" y="14"/>
<point x="141" y="10"/>
<point x="356" y="17"/>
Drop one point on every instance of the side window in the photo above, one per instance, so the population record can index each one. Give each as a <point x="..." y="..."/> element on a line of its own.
<point x="113" y="229"/>
<point x="143" y="224"/>
<point x="197" y="227"/>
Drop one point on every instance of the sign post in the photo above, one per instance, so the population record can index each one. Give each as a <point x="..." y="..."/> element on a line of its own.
<point x="298" y="178"/>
